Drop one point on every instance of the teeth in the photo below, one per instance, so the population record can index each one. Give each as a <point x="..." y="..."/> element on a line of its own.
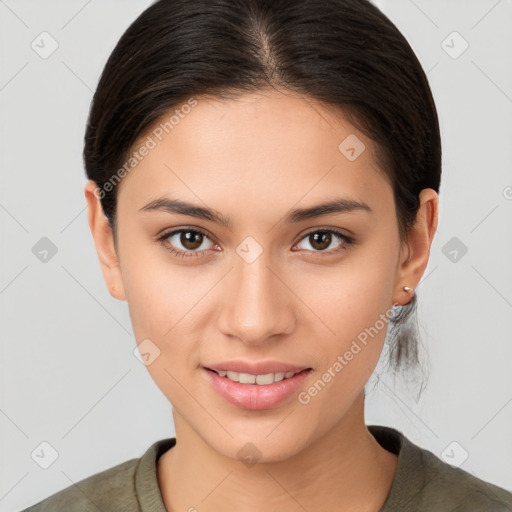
<point x="268" y="378"/>
<point x="234" y="376"/>
<point x="247" y="378"/>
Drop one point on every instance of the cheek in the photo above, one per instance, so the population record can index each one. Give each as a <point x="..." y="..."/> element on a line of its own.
<point x="351" y="295"/>
<point x="353" y="304"/>
<point x="348" y="358"/>
<point x="156" y="290"/>
<point x="163" y="320"/>
<point x="166" y="305"/>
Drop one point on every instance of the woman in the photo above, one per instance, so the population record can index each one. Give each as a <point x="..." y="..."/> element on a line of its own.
<point x="263" y="193"/>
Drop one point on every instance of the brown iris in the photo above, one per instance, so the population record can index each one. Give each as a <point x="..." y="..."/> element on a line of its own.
<point x="320" y="240"/>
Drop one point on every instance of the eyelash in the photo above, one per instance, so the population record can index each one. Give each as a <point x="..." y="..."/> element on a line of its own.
<point x="347" y="240"/>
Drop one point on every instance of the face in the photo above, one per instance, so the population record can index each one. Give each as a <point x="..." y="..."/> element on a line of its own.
<point x="271" y="283"/>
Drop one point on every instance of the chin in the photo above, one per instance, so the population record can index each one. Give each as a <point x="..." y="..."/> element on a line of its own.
<point x="251" y="446"/>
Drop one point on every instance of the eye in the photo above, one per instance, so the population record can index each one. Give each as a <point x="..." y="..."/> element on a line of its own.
<point x="186" y="242"/>
<point x="321" y="239"/>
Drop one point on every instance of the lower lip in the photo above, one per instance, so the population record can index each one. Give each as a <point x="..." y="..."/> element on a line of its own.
<point x="254" y="396"/>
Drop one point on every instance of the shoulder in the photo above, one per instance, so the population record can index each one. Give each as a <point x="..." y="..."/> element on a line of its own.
<point x="455" y="489"/>
<point x="112" y="490"/>
<point x="423" y="482"/>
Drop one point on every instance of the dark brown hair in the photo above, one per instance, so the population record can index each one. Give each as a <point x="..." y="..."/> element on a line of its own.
<point x="344" y="53"/>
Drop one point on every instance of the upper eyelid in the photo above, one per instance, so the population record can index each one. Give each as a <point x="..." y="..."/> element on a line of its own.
<point x="336" y="231"/>
<point x="173" y="231"/>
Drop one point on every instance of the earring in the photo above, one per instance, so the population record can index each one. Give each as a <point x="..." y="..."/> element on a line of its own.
<point x="406" y="289"/>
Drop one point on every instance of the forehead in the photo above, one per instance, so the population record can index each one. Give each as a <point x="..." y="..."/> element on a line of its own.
<point x="267" y="148"/>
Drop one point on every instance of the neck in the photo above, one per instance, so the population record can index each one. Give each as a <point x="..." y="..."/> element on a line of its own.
<point x="344" y="469"/>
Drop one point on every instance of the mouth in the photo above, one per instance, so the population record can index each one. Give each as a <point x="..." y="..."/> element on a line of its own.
<point x="256" y="391"/>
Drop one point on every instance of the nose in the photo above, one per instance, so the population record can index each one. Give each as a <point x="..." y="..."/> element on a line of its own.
<point x="257" y="304"/>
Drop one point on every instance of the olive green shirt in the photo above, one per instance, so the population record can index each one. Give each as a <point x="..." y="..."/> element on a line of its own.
<point x="422" y="483"/>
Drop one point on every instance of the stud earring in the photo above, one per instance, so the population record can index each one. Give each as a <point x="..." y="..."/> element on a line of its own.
<point x="406" y="289"/>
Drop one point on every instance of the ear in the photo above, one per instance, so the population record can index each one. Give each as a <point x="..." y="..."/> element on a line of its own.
<point x="416" y="248"/>
<point x="104" y="241"/>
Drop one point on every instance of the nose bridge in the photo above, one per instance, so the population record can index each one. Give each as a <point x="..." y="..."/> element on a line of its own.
<point x="257" y="307"/>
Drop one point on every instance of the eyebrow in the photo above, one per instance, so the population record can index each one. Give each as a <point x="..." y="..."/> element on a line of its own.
<point x="341" y="205"/>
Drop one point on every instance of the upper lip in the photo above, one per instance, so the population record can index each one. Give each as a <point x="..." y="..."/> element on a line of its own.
<point x="256" y="368"/>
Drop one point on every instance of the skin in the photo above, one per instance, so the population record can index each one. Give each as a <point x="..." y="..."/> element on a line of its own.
<point x="253" y="159"/>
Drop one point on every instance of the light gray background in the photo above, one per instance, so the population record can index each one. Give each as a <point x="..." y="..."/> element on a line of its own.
<point x="68" y="375"/>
